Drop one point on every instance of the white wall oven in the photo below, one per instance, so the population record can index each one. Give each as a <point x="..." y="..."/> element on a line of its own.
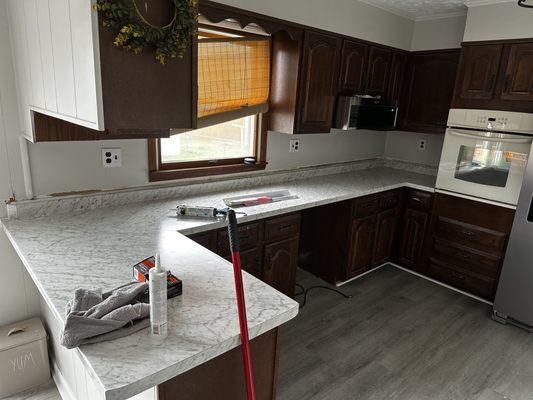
<point x="485" y="154"/>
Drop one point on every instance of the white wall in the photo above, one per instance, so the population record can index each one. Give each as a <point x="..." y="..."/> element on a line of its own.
<point x="405" y="146"/>
<point x="442" y="33"/>
<point x="498" y="21"/>
<point x="18" y="297"/>
<point x="349" y="17"/>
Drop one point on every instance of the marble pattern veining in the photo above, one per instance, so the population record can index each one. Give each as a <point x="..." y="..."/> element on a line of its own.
<point x="96" y="248"/>
<point x="73" y="203"/>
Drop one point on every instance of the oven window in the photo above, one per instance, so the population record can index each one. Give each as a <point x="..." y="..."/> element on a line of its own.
<point x="484" y="166"/>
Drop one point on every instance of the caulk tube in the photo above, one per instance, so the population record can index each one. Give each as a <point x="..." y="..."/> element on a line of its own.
<point x="158" y="298"/>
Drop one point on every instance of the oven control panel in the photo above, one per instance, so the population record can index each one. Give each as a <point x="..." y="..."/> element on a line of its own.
<point x="504" y="121"/>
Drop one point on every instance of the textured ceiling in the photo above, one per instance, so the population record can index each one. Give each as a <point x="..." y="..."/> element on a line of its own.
<point x="421" y="9"/>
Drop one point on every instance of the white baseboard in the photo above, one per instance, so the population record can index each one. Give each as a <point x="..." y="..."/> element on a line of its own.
<point x="442" y="284"/>
<point x="61" y="383"/>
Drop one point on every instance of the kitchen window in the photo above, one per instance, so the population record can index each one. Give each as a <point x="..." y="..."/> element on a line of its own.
<point x="233" y="92"/>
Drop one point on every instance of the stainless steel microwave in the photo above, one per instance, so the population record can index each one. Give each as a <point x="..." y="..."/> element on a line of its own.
<point x="365" y="112"/>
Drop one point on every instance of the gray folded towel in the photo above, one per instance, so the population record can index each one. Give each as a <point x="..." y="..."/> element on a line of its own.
<point x="93" y="316"/>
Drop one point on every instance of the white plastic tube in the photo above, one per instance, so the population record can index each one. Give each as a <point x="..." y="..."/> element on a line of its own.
<point x="158" y="298"/>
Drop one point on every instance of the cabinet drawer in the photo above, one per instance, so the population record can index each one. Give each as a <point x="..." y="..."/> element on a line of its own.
<point x="471" y="235"/>
<point x="282" y="227"/>
<point x="419" y="200"/>
<point x="206" y="239"/>
<point x="389" y="200"/>
<point x="250" y="261"/>
<point x="473" y="260"/>
<point x="248" y="238"/>
<point x="366" y="206"/>
<point x="461" y="279"/>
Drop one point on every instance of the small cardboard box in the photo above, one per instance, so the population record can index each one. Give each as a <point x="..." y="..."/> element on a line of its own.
<point x="23" y="357"/>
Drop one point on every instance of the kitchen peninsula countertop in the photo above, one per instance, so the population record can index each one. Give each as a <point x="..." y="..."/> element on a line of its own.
<point x="96" y="249"/>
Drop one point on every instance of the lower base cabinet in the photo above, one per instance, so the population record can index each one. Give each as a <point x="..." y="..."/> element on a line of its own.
<point x="269" y="249"/>
<point x="456" y="241"/>
<point x="279" y="265"/>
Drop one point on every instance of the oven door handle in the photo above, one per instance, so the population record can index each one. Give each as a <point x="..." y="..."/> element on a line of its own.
<point x="490" y="139"/>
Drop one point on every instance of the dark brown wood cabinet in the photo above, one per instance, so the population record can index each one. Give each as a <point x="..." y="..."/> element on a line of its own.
<point x="361" y="242"/>
<point x="412" y="240"/>
<point x="269" y="249"/>
<point x="386" y="231"/>
<point x="354" y="61"/>
<point x="397" y="76"/>
<point x="280" y="263"/>
<point x="518" y="80"/>
<point x="496" y="75"/>
<point x="466" y="244"/>
<point x="379" y="66"/>
<point x="478" y="71"/>
<point x="318" y="85"/>
<point x="429" y="89"/>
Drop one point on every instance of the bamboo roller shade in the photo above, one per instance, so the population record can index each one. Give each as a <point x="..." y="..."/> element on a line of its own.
<point x="233" y="78"/>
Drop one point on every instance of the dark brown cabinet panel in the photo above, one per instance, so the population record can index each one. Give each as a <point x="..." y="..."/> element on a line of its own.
<point x="397" y="76"/>
<point x="354" y="61"/>
<point x="518" y="81"/>
<point x="478" y="71"/>
<point x="412" y="239"/>
<point x="251" y="261"/>
<point x="496" y="75"/>
<point x="279" y="267"/>
<point x="467" y="243"/>
<point x="379" y="66"/>
<point x="318" y="87"/>
<point x="386" y="228"/>
<point x="363" y="232"/>
<point x="206" y="239"/>
<point x="431" y="86"/>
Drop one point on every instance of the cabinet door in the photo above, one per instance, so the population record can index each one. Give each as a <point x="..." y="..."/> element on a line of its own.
<point x="318" y="87"/>
<point x="398" y="69"/>
<point x="386" y="226"/>
<point x="361" y="245"/>
<point x="206" y="239"/>
<point x="432" y="83"/>
<point x="353" y="67"/>
<point x="413" y="234"/>
<point x="518" y="82"/>
<point x="479" y="71"/>
<point x="250" y="261"/>
<point x="280" y="262"/>
<point x="379" y="63"/>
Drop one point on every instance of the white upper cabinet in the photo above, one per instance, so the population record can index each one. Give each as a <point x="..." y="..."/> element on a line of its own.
<point x="56" y="59"/>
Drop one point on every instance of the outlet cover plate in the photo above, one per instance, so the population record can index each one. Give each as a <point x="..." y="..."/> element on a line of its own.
<point x="294" y="145"/>
<point x="422" y="144"/>
<point x="112" y="158"/>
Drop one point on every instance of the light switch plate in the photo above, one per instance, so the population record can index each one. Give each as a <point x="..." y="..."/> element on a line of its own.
<point x="112" y="158"/>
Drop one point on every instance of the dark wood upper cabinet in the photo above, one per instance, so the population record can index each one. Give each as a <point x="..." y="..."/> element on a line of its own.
<point x="318" y="85"/>
<point x="430" y="91"/>
<point x="379" y="65"/>
<point x="518" y="80"/>
<point x="496" y="75"/>
<point x="478" y="71"/>
<point x="397" y="75"/>
<point x="354" y="61"/>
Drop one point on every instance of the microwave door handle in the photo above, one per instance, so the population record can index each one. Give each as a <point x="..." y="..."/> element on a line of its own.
<point x="490" y="139"/>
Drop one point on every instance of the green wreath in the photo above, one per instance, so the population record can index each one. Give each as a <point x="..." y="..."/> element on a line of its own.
<point x="136" y="32"/>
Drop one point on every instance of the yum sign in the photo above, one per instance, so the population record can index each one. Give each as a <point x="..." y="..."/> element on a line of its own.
<point x="19" y="363"/>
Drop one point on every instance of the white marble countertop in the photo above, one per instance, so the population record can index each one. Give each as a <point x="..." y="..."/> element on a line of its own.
<point x="96" y="249"/>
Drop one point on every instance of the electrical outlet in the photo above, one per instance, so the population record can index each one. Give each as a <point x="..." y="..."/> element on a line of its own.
<point x="112" y="158"/>
<point x="422" y="145"/>
<point x="294" y="145"/>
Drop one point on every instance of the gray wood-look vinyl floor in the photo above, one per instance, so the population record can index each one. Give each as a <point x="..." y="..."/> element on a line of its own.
<point x="401" y="337"/>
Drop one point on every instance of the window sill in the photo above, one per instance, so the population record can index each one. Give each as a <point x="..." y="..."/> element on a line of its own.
<point x="167" y="175"/>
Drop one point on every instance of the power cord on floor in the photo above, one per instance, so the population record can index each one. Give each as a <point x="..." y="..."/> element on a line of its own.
<point x="303" y="291"/>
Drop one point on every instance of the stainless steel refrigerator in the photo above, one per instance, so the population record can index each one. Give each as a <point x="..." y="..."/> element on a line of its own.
<point x="514" y="297"/>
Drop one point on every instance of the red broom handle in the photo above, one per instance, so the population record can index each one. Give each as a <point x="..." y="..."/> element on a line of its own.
<point x="241" y="304"/>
